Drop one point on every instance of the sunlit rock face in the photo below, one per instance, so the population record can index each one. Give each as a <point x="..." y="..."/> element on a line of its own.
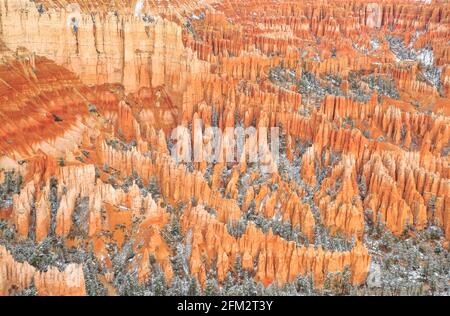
<point x="97" y="96"/>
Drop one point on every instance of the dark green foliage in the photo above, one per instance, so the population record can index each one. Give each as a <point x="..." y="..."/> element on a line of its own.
<point x="91" y="269"/>
<point x="237" y="228"/>
<point x="30" y="291"/>
<point x="54" y="205"/>
<point x="80" y="218"/>
<point x="410" y="266"/>
<point x="384" y="85"/>
<point x="194" y="288"/>
<point x="10" y="186"/>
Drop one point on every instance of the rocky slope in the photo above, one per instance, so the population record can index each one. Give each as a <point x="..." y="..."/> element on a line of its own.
<point x="93" y="201"/>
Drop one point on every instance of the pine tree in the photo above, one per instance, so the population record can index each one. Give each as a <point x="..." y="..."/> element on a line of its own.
<point x="157" y="282"/>
<point x="228" y="284"/>
<point x="212" y="287"/>
<point x="178" y="287"/>
<point x="249" y="286"/>
<point x="30" y="291"/>
<point x="159" y="286"/>
<point x="238" y="268"/>
<point x="194" y="289"/>
<point x="130" y="285"/>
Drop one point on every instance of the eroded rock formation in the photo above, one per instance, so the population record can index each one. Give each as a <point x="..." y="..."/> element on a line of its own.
<point x="92" y="95"/>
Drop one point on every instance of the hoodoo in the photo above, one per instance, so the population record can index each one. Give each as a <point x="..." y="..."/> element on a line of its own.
<point x="224" y="147"/>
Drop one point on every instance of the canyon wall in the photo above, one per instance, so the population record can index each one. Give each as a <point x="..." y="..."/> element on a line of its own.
<point x="91" y="92"/>
<point x="103" y="47"/>
<point x="16" y="275"/>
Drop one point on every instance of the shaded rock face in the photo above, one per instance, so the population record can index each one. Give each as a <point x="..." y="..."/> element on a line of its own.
<point x="103" y="46"/>
<point x="90" y="94"/>
<point x="277" y="260"/>
<point x="16" y="275"/>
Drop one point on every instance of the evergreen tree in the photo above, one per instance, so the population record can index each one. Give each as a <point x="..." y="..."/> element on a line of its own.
<point x="249" y="285"/>
<point x="30" y="291"/>
<point x="238" y="268"/>
<point x="158" y="284"/>
<point x="194" y="289"/>
<point x="179" y="286"/>
<point x="212" y="287"/>
<point x="228" y="284"/>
